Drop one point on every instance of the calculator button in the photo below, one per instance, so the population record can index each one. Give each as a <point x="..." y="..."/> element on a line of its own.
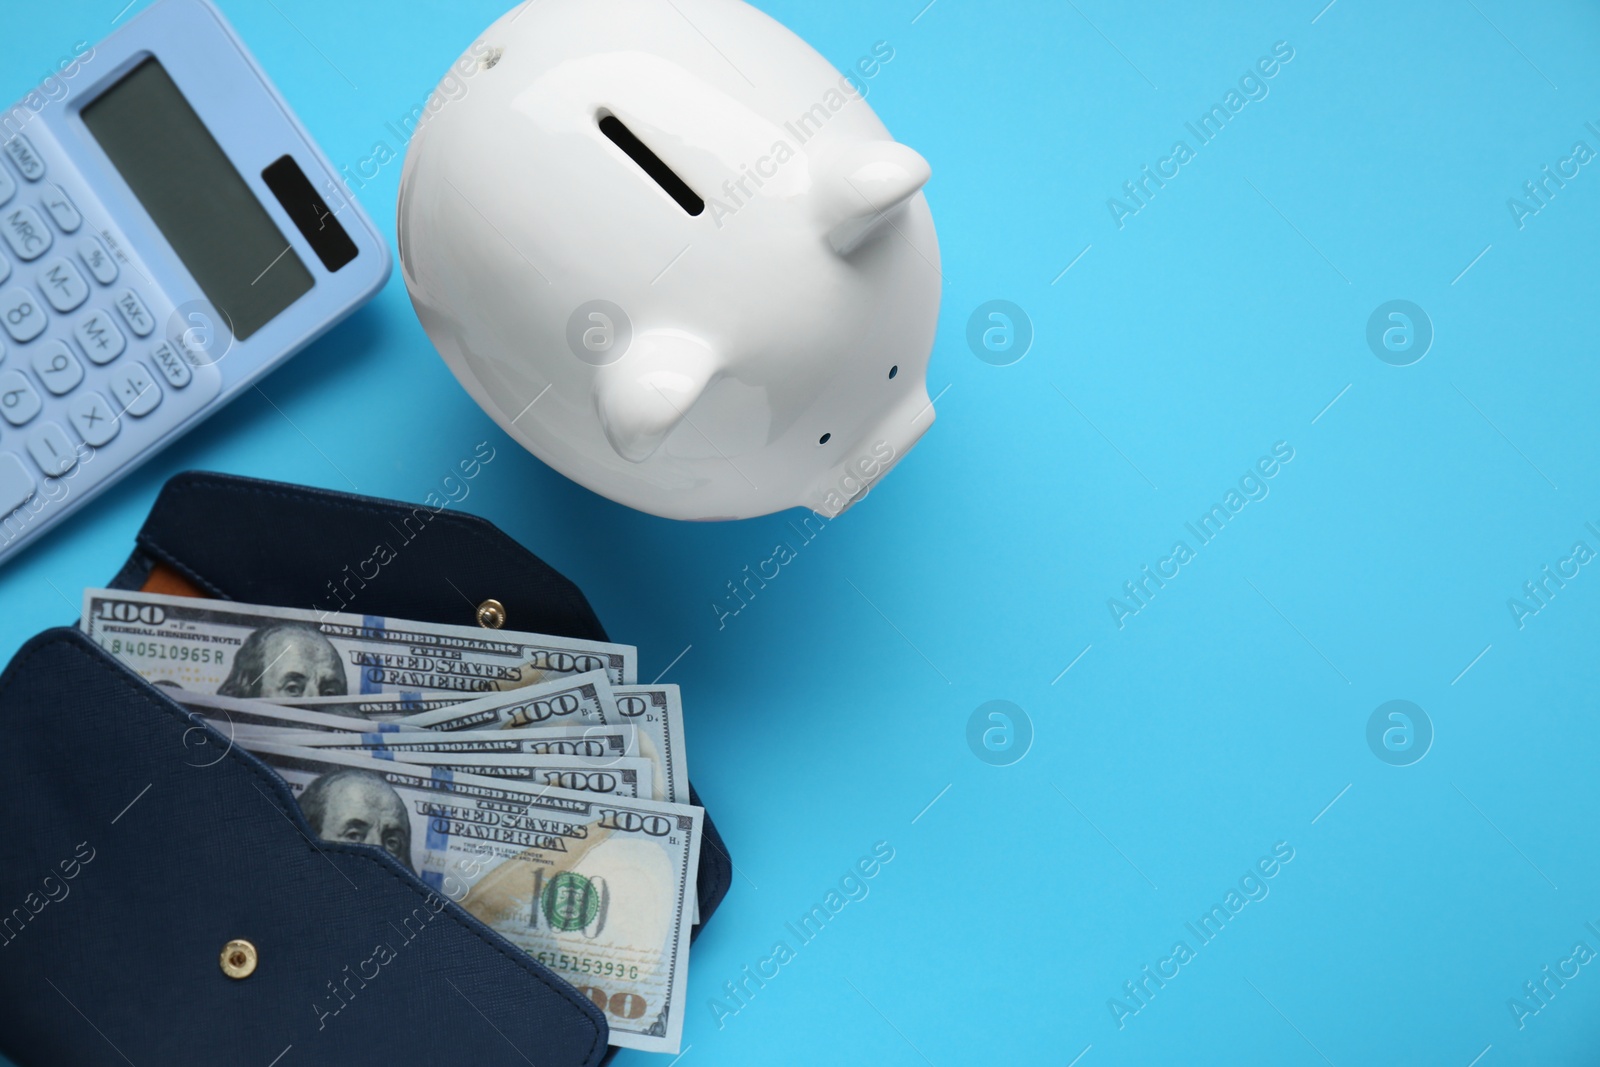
<point x="136" y="390"/>
<point x="25" y="232"/>
<point x="173" y="367"/>
<point x="8" y="186"/>
<point x="16" y="484"/>
<point x="199" y="344"/>
<point x="62" y="285"/>
<point x="20" y="149"/>
<point x="135" y="313"/>
<point x="5" y="268"/>
<point x="97" y="259"/>
<point x="52" y="450"/>
<point x="23" y="317"/>
<point x="98" y="334"/>
<point x="57" y="368"/>
<point x="94" y="418"/>
<point x="63" y="210"/>
<point x="18" y="401"/>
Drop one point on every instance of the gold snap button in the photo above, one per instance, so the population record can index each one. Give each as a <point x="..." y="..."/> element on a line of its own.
<point x="491" y="614"/>
<point x="238" y="959"/>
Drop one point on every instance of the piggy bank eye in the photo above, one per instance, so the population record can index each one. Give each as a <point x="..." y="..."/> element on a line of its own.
<point x="893" y="371"/>
<point x="824" y="439"/>
<point x="651" y="164"/>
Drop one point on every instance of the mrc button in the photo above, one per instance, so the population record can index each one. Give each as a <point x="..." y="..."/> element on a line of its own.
<point x="25" y="232"/>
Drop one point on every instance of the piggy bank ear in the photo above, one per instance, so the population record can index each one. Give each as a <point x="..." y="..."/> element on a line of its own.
<point x="865" y="183"/>
<point x="646" y="393"/>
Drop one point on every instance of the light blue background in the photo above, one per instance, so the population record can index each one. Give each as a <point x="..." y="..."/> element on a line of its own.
<point x="1226" y="715"/>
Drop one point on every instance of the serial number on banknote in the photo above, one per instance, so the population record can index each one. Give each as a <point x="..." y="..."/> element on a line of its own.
<point x="182" y="653"/>
<point x="584" y="965"/>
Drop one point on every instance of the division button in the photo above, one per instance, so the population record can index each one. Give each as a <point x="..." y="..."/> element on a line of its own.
<point x="135" y="390"/>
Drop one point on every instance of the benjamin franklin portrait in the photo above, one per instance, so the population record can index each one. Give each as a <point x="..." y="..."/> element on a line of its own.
<point x="285" y="660"/>
<point x="360" y="807"/>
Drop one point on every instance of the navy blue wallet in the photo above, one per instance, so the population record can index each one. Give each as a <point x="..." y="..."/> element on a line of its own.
<point x="139" y="850"/>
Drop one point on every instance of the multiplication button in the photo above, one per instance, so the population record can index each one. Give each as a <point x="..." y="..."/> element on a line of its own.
<point x="18" y="401"/>
<point x="173" y="367"/>
<point x="102" y="341"/>
<point x="52" y="450"/>
<point x="94" y="418"/>
<point x="135" y="390"/>
<point x="62" y="285"/>
<point x="26" y="233"/>
<point x="24" y="319"/>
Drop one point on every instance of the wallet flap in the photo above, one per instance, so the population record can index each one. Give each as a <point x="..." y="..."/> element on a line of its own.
<point x="140" y="845"/>
<point x="270" y="543"/>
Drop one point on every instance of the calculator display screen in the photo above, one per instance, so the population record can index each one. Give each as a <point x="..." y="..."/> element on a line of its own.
<point x="218" y="227"/>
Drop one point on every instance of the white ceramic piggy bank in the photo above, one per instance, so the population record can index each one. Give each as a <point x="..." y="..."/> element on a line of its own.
<point x="676" y="255"/>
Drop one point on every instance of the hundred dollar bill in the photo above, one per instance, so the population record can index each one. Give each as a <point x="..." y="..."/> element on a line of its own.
<point x="575" y="698"/>
<point x="230" y="712"/>
<point x="247" y="650"/>
<point x="595" y="888"/>
<point x="584" y="700"/>
<point x="627" y="776"/>
<point x="376" y="707"/>
<point x="591" y="742"/>
<point x="656" y="711"/>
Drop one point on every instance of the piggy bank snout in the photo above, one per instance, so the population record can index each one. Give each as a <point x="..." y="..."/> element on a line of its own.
<point x="878" y="449"/>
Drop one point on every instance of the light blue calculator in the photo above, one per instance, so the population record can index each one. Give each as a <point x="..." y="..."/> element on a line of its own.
<point x="168" y="234"/>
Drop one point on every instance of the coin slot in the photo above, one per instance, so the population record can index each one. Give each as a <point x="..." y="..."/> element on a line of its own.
<point x="651" y="164"/>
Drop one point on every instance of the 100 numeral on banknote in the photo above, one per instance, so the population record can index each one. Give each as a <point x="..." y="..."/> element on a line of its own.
<point x="245" y="650"/>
